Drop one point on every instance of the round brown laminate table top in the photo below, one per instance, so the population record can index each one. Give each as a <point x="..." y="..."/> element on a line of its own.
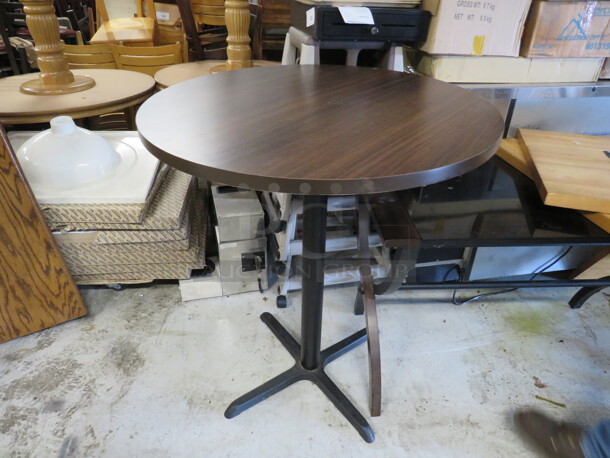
<point x="320" y="129"/>
<point x="178" y="73"/>
<point x="114" y="90"/>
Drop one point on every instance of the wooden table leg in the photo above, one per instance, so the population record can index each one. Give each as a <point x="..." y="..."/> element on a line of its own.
<point x="239" y="53"/>
<point x="370" y="309"/>
<point x="54" y="78"/>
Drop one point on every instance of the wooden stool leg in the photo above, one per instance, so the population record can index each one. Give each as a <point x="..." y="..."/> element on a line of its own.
<point x="370" y="309"/>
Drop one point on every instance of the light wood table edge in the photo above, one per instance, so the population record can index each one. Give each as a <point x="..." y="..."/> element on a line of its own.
<point x="77" y="114"/>
<point x="212" y="63"/>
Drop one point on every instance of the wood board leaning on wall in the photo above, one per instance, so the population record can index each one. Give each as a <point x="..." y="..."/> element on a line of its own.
<point x="36" y="289"/>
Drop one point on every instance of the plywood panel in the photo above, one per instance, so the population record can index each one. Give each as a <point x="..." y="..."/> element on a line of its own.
<point x="510" y="151"/>
<point x="570" y="170"/>
<point x="36" y="289"/>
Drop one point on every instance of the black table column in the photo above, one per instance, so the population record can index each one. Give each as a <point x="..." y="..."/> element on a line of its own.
<point x="314" y="248"/>
<point x="309" y="360"/>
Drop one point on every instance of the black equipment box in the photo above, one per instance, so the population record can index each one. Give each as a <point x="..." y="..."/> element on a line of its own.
<point x="391" y="23"/>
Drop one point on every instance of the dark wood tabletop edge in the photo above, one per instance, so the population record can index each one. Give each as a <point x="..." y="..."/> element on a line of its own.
<point x="338" y="187"/>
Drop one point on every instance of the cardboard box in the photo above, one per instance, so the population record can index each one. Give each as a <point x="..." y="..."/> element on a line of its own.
<point x="146" y="276"/>
<point x="169" y="271"/>
<point x="110" y="238"/>
<point x="477" y="28"/>
<point x="605" y="73"/>
<point x="87" y="254"/>
<point x="460" y="69"/>
<point x="567" y="29"/>
<point x="166" y="210"/>
<point x="93" y="254"/>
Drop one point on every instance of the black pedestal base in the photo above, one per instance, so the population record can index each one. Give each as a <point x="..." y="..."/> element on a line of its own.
<point x="298" y="373"/>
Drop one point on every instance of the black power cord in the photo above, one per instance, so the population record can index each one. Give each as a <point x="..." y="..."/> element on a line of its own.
<point x="539" y="270"/>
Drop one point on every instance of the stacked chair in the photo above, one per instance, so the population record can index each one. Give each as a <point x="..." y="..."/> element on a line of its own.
<point x="204" y="28"/>
<point x="7" y="50"/>
<point x="15" y="36"/>
<point x="146" y="59"/>
<point x="14" y="18"/>
<point x="275" y="22"/>
<point x="80" y="13"/>
<point x="90" y="56"/>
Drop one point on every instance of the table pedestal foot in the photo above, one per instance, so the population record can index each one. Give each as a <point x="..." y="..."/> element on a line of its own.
<point x="316" y="375"/>
<point x="262" y="392"/>
<point x="583" y="294"/>
<point x="342" y="347"/>
<point x="290" y="343"/>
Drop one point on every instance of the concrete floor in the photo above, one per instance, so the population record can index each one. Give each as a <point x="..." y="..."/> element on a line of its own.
<point x="147" y="375"/>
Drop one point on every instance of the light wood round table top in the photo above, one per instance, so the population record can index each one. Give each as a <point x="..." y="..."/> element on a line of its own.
<point x="114" y="90"/>
<point x="178" y="73"/>
<point x="320" y="129"/>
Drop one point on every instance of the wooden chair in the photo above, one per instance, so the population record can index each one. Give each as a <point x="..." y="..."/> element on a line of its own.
<point x="14" y="19"/>
<point x="164" y="33"/>
<point x="90" y="56"/>
<point x="99" y="56"/>
<point x="208" y="12"/>
<point x="147" y="60"/>
<point x="7" y="50"/>
<point x="146" y="8"/>
<point x="101" y="13"/>
<point x="275" y="22"/>
<point x="77" y="11"/>
<point x="120" y="120"/>
<point x="207" y="42"/>
<point x="168" y="27"/>
<point x="17" y="57"/>
<point x="256" y="30"/>
<point x="210" y="43"/>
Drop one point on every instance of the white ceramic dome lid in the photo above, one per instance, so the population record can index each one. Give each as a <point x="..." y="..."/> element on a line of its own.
<point x="66" y="155"/>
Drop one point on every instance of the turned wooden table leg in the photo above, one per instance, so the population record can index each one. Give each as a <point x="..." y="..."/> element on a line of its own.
<point x="239" y="53"/>
<point x="54" y="78"/>
<point x="237" y="15"/>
